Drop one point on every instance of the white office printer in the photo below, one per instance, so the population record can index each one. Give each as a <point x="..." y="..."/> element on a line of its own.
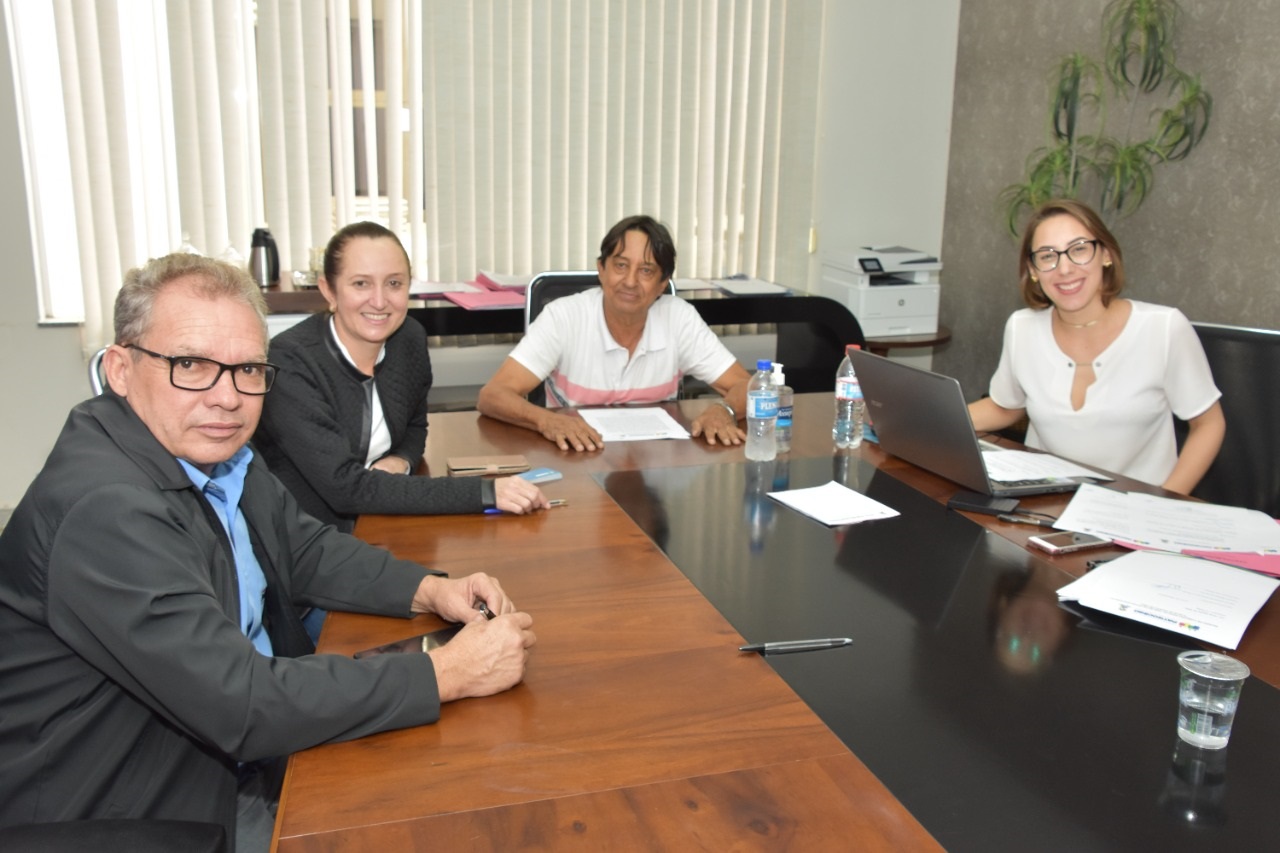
<point x="892" y="290"/>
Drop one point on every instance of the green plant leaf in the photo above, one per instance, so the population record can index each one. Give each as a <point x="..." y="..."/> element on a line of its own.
<point x="1076" y="86"/>
<point x="1139" y="39"/>
<point x="1181" y="127"/>
<point x="1127" y="175"/>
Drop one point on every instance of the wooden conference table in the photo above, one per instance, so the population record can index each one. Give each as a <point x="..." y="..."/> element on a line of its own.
<point x="640" y="726"/>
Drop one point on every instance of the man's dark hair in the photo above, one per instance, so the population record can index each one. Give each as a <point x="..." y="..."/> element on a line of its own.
<point x="661" y="246"/>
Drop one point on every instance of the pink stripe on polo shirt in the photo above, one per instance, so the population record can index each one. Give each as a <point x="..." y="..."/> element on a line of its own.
<point x="567" y="393"/>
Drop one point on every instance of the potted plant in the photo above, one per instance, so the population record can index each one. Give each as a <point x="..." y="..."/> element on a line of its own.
<point x="1112" y="122"/>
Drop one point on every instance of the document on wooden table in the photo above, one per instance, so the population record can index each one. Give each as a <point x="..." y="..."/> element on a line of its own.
<point x="1202" y="599"/>
<point x="626" y="424"/>
<point x="834" y="505"/>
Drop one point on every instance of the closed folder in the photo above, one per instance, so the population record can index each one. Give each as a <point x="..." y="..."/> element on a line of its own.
<point x="475" y="466"/>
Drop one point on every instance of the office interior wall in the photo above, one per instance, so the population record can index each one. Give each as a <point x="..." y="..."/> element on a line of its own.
<point x="1204" y="241"/>
<point x="42" y="370"/>
<point x="877" y="59"/>
<point x="884" y="113"/>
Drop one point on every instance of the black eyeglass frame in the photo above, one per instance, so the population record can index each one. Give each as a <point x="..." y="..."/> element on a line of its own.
<point x="269" y="370"/>
<point x="1095" y="243"/>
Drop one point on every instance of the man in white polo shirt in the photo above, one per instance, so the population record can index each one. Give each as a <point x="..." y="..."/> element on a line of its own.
<point x="627" y="342"/>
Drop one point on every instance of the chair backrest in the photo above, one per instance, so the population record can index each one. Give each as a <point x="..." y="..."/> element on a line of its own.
<point x="550" y="286"/>
<point x="97" y="380"/>
<point x="1245" y="364"/>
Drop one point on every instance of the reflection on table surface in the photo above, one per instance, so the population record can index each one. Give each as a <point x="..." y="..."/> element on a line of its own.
<point x="990" y="713"/>
<point x="996" y="718"/>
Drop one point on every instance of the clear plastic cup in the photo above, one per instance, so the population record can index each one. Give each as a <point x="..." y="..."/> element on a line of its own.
<point x="1208" y="695"/>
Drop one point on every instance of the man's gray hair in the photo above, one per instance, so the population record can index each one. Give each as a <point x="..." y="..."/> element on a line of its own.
<point x="210" y="279"/>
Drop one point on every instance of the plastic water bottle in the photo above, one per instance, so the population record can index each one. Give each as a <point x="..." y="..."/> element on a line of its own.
<point x="786" y="400"/>
<point x="847" y="432"/>
<point x="762" y="413"/>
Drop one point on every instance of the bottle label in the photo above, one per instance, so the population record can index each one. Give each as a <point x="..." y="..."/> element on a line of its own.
<point x="762" y="405"/>
<point x="784" y="416"/>
<point x="848" y="389"/>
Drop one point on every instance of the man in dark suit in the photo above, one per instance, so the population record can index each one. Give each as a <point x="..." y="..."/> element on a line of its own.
<point x="149" y="580"/>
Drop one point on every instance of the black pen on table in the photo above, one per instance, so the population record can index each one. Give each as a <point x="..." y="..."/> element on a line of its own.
<point x="791" y="646"/>
<point x="1023" y="519"/>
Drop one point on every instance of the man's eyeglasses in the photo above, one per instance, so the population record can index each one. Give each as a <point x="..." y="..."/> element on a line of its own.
<point x="1046" y="260"/>
<point x="200" y="374"/>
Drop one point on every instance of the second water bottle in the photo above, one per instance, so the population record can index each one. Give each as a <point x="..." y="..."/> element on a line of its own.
<point x="847" y="431"/>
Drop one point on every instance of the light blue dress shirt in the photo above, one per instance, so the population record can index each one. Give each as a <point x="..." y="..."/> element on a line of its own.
<point x="223" y="490"/>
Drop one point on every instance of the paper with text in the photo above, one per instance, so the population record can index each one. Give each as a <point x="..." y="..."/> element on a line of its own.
<point x="1011" y="466"/>
<point x="624" y="424"/>
<point x="1168" y="524"/>
<point x="1198" y="598"/>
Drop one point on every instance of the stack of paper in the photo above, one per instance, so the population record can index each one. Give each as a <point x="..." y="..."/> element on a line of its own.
<point x="749" y="287"/>
<point x="1211" y="602"/>
<point x="834" y="504"/>
<point x="418" y="287"/>
<point x="485" y="299"/>
<point x="691" y="284"/>
<point x="1225" y="534"/>
<point x="499" y="281"/>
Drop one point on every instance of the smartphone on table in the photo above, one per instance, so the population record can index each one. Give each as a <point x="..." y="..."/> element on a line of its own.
<point x="1066" y="543"/>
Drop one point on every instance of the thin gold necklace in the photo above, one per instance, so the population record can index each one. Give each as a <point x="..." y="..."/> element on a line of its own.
<point x="1062" y="320"/>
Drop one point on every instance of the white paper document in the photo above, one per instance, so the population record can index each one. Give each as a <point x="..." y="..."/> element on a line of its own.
<point x="691" y="284"/>
<point x="1010" y="466"/>
<point x="1169" y="524"/>
<point x="485" y="278"/>
<point x="623" y="424"/>
<point x="418" y="287"/>
<point x="748" y="286"/>
<point x="834" y="504"/>
<point x="1198" y="598"/>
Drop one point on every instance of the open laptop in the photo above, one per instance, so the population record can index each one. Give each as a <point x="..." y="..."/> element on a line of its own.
<point x="921" y="417"/>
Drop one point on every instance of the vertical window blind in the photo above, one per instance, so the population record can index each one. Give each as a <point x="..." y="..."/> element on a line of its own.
<point x="489" y="135"/>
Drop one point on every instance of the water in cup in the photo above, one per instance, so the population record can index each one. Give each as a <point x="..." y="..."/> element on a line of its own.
<point x="1208" y="694"/>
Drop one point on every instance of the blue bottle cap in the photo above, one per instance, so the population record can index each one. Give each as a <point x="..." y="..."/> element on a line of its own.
<point x="764" y="364"/>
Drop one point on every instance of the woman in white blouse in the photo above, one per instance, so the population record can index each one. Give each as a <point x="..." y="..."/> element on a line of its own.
<point x="1099" y="377"/>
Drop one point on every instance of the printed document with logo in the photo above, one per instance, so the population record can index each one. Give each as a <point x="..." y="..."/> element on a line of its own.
<point x="625" y="424"/>
<point x="1187" y="595"/>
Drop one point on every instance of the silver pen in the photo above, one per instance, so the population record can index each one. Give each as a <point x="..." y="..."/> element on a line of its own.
<point x="790" y="646"/>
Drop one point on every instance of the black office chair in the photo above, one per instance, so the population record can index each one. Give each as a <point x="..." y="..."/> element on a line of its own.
<point x="97" y="378"/>
<point x="1245" y="365"/>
